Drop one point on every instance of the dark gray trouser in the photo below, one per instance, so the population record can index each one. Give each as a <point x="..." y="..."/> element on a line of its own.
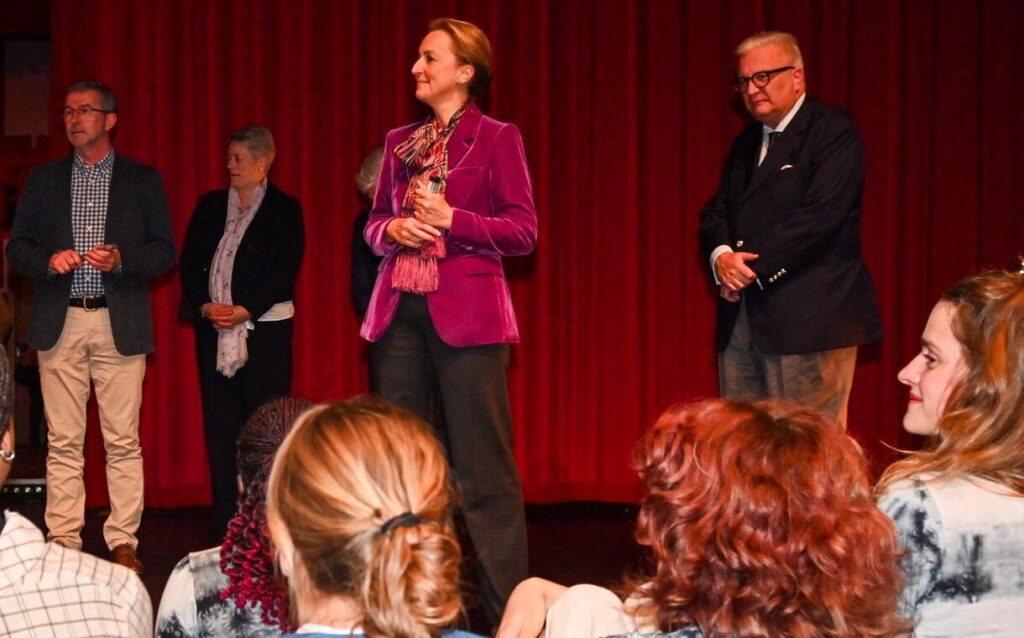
<point x="411" y="365"/>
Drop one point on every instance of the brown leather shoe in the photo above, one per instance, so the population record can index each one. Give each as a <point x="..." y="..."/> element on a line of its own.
<point x="124" y="554"/>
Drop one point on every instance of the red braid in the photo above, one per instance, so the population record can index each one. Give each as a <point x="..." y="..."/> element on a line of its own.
<point x="246" y="559"/>
<point x="245" y="556"/>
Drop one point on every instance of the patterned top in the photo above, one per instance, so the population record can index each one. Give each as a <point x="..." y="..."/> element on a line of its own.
<point x="965" y="556"/>
<point x="191" y="606"/>
<point x="49" y="591"/>
<point x="90" y="190"/>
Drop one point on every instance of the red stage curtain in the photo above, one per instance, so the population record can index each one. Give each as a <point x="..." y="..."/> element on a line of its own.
<point x="626" y="112"/>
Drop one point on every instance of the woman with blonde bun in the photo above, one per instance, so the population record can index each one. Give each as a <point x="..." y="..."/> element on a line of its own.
<point x="358" y="510"/>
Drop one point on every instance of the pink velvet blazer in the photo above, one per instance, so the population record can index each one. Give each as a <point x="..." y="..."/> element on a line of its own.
<point x="489" y="191"/>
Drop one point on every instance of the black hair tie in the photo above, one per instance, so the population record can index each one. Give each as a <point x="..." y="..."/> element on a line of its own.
<point x="405" y="519"/>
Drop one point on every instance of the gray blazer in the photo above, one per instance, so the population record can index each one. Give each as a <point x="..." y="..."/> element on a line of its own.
<point x="139" y="223"/>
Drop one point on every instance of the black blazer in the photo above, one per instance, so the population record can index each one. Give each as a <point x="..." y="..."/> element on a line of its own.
<point x="137" y="221"/>
<point x="800" y="211"/>
<point x="268" y="259"/>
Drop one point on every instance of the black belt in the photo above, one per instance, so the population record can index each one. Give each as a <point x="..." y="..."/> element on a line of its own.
<point x="89" y="303"/>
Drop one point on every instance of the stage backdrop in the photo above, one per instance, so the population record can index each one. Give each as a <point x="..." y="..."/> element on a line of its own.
<point x="626" y="111"/>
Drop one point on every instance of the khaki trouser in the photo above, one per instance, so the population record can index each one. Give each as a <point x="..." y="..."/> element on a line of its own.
<point x="819" y="380"/>
<point x="85" y="352"/>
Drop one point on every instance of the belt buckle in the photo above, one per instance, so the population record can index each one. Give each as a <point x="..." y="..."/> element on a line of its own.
<point x="85" y="305"/>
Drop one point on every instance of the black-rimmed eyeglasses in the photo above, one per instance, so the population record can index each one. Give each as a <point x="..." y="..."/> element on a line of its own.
<point x="82" y="111"/>
<point x="759" y="79"/>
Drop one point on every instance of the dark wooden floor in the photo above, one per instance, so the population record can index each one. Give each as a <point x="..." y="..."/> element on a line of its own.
<point x="570" y="543"/>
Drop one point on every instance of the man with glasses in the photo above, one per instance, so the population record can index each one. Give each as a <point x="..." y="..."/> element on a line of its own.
<point x="782" y="235"/>
<point x="91" y="230"/>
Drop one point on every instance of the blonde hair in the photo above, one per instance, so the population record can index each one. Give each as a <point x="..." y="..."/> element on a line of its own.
<point x="764" y="38"/>
<point x="981" y="430"/>
<point x="369" y="171"/>
<point x="344" y="471"/>
<point x="258" y="140"/>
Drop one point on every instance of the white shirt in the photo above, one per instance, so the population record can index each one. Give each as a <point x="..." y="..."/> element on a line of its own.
<point x="49" y="591"/>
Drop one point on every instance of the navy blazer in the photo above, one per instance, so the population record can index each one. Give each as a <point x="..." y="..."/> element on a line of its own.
<point x="137" y="221"/>
<point x="268" y="258"/>
<point x="800" y="211"/>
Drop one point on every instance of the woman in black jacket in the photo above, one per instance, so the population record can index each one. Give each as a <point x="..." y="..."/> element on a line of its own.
<point x="239" y="263"/>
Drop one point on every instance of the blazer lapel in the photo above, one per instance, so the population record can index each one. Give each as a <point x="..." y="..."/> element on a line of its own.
<point x="63" y="200"/>
<point x="115" y="197"/>
<point x="262" y="214"/>
<point x="781" y="149"/>
<point x="464" y="135"/>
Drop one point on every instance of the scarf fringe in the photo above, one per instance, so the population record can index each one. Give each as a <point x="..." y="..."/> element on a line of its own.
<point x="416" y="270"/>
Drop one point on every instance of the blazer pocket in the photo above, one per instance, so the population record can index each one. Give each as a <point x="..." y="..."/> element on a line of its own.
<point x="462" y="181"/>
<point x="787" y="188"/>
<point x="476" y="266"/>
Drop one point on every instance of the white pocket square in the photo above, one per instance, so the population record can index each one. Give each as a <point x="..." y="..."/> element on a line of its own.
<point x="786" y="167"/>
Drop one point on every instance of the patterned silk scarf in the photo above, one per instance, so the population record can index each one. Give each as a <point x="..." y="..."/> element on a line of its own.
<point x="426" y="153"/>
<point x="232" y="349"/>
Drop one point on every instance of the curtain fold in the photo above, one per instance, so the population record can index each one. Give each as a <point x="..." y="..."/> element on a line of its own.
<point x="627" y="113"/>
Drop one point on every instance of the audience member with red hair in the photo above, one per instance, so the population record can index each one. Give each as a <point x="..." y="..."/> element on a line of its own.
<point x="760" y="521"/>
<point x="232" y="590"/>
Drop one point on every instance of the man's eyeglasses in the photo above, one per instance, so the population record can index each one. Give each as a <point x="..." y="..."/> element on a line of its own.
<point x="82" y="111"/>
<point x="759" y="79"/>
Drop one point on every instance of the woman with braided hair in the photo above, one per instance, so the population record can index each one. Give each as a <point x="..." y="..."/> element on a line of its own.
<point x="231" y="589"/>
<point x="358" y="507"/>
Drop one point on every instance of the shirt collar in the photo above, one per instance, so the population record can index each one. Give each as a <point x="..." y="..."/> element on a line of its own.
<point x="104" y="165"/>
<point x="260" y="190"/>
<point x="786" y="120"/>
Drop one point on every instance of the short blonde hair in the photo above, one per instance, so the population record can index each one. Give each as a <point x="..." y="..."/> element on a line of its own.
<point x="342" y="478"/>
<point x="369" y="171"/>
<point x="258" y="140"/>
<point x="764" y="38"/>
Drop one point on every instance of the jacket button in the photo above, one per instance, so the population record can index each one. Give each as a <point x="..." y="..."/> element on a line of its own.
<point x="739" y="243"/>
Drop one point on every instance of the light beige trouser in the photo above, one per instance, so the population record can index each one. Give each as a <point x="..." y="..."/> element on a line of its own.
<point x="85" y="352"/>
<point x="819" y="380"/>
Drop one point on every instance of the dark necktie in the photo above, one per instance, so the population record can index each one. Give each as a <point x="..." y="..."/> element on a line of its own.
<point x="771" y="140"/>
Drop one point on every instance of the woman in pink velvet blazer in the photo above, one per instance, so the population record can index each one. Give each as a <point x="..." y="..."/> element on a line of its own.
<point x="454" y="197"/>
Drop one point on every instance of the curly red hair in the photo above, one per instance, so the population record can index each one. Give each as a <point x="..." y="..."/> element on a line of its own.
<point x="761" y="522"/>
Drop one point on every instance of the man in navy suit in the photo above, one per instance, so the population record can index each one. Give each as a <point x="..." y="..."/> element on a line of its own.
<point x="91" y="230"/>
<point x="782" y="236"/>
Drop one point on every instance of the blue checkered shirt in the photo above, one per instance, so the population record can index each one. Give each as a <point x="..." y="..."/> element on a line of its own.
<point x="90" y="190"/>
